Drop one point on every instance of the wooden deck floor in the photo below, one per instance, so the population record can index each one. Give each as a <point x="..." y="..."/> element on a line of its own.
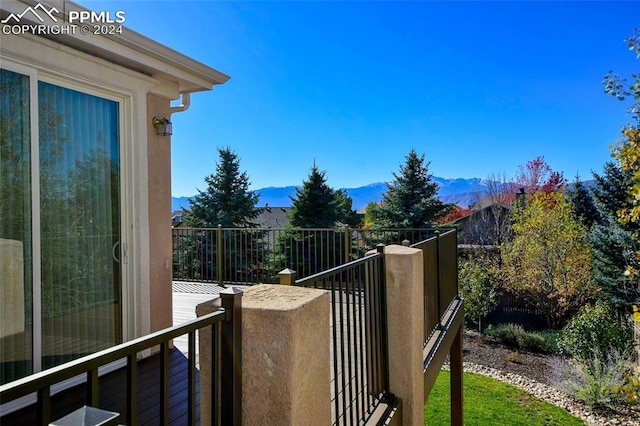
<point x="186" y="296"/>
<point x="113" y="385"/>
<point x="113" y="395"/>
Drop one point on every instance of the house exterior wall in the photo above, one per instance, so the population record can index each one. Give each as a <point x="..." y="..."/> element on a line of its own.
<point x="159" y="195"/>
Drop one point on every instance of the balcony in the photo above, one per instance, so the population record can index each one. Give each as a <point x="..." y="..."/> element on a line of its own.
<point x="167" y="385"/>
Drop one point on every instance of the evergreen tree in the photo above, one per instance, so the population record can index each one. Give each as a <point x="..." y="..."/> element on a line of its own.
<point x="346" y="214"/>
<point x="583" y="203"/>
<point x="227" y="200"/>
<point x="611" y="241"/>
<point x="411" y="200"/>
<point x="610" y="192"/>
<point x="613" y="249"/>
<point x="317" y="205"/>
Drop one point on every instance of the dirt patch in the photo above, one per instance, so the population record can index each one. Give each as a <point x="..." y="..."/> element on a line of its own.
<point x="488" y="351"/>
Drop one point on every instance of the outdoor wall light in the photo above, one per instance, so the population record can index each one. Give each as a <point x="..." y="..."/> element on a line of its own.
<point x="162" y="125"/>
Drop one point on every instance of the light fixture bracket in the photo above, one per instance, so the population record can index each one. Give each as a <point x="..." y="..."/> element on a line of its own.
<point x="163" y="126"/>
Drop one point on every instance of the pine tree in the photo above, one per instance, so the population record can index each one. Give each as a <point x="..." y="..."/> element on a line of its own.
<point x="583" y="203"/>
<point x="610" y="192"/>
<point x="411" y="200"/>
<point x="346" y="214"/>
<point x="227" y="200"/>
<point x="611" y="241"/>
<point x="317" y="205"/>
<point x="613" y="249"/>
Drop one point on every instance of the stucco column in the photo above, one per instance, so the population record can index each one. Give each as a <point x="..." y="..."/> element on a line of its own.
<point x="405" y="313"/>
<point x="160" y="264"/>
<point x="286" y="376"/>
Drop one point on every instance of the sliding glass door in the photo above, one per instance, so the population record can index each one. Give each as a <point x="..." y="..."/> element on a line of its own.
<point x="16" y="252"/>
<point x="70" y="243"/>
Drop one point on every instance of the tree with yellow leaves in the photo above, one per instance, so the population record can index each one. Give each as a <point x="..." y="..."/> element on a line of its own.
<point x="547" y="263"/>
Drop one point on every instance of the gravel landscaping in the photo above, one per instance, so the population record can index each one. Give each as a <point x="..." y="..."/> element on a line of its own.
<point x="533" y="372"/>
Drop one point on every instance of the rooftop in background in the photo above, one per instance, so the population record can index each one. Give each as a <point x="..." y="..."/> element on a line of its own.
<point x="273" y="217"/>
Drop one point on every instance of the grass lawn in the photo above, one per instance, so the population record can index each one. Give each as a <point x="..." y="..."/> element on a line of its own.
<point x="490" y="402"/>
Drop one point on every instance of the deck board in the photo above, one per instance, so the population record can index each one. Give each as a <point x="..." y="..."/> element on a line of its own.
<point x="113" y="394"/>
<point x="186" y="297"/>
<point x="113" y="388"/>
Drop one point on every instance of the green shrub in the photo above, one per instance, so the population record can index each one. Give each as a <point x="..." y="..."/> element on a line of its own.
<point x="533" y="342"/>
<point x="594" y="331"/>
<point x="478" y="288"/>
<point x="514" y="335"/>
<point x="506" y="333"/>
<point x="551" y="338"/>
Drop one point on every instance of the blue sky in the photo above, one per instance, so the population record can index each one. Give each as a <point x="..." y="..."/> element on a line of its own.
<point x="478" y="87"/>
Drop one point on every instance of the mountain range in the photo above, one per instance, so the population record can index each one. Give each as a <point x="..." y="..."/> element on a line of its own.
<point x="459" y="191"/>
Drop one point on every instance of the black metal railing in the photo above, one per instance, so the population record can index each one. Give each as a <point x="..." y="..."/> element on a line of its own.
<point x="360" y="367"/>
<point x="248" y="256"/>
<point x="226" y="369"/>
<point x="444" y="316"/>
<point x="440" y="257"/>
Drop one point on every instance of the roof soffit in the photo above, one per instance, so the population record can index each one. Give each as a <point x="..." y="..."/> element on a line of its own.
<point x="129" y="49"/>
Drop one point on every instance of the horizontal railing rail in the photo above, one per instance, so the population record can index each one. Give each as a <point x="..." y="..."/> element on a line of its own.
<point x="256" y="255"/>
<point x="226" y="402"/>
<point x="360" y="369"/>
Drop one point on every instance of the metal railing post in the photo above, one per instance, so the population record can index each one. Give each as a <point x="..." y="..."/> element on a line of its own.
<point x="219" y="265"/>
<point x="132" y="388"/>
<point x="231" y="357"/>
<point x="347" y="244"/>
<point x="457" y="265"/>
<point x="384" y="336"/>
<point x="438" y="278"/>
<point x="44" y="406"/>
<point x="456" y="379"/>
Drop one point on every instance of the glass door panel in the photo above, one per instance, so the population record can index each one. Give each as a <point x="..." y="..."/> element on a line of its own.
<point x="80" y="223"/>
<point x="16" y="324"/>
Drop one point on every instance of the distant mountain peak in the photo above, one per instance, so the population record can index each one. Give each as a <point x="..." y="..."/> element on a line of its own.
<point x="460" y="191"/>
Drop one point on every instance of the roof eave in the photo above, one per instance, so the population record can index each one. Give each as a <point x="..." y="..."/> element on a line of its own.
<point x="131" y="50"/>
